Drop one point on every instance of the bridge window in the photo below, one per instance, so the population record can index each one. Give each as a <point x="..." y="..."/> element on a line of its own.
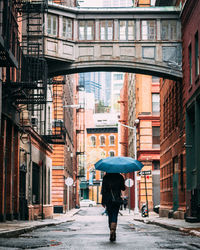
<point x="126" y="30"/>
<point x="67" y="27"/>
<point x="169" y="30"/>
<point x="106" y="28"/>
<point x="52" y="25"/>
<point x="86" y="30"/>
<point x="148" y="30"/>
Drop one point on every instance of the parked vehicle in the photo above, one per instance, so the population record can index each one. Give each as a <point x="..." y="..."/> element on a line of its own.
<point x="144" y="210"/>
<point x="156" y="209"/>
<point x="87" y="203"/>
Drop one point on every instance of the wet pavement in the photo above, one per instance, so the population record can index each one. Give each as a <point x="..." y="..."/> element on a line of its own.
<point x="88" y="230"/>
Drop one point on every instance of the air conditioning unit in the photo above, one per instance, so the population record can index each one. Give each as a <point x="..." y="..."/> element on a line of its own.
<point x="34" y="121"/>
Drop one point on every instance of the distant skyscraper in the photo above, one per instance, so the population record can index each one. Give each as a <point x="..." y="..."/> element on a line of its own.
<point x="92" y="83"/>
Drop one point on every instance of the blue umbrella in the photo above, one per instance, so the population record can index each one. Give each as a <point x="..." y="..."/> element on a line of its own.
<point x="118" y="164"/>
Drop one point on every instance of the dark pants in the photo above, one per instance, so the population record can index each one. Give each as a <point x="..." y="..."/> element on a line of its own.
<point x="113" y="211"/>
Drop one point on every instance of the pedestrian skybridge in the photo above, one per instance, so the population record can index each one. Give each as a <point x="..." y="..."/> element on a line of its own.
<point x="139" y="40"/>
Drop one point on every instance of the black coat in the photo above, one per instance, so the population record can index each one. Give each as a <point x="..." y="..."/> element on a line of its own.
<point x="112" y="181"/>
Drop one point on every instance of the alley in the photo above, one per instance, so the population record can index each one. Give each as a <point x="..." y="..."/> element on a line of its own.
<point x="88" y="230"/>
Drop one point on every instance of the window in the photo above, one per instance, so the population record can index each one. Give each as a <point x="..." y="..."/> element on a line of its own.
<point x="169" y="30"/>
<point x="156" y="165"/>
<point x="111" y="153"/>
<point x="102" y="140"/>
<point x="106" y="30"/>
<point x="52" y="25"/>
<point x="155" y="137"/>
<point x="118" y="76"/>
<point x="155" y="103"/>
<point x="155" y="79"/>
<point x="112" y="140"/>
<point x="190" y="63"/>
<point x="148" y="30"/>
<point x="93" y="141"/>
<point x="67" y="27"/>
<point x="126" y="30"/>
<point x="196" y="54"/>
<point x="86" y="30"/>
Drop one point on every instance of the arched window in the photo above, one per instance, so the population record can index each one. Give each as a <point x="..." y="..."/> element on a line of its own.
<point x="93" y="141"/>
<point x="111" y="139"/>
<point x="111" y="153"/>
<point x="102" y="140"/>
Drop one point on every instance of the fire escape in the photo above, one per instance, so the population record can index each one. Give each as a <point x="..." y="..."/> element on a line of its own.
<point x="31" y="92"/>
<point x="80" y="132"/>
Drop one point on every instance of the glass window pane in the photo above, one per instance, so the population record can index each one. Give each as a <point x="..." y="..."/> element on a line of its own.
<point x="49" y="25"/>
<point x="64" y="27"/>
<point x="173" y="30"/>
<point x="156" y="103"/>
<point x="148" y="30"/>
<point x="156" y="137"/>
<point x="81" y="30"/>
<point x="103" y="30"/>
<point x="131" y="30"/>
<point x="69" y="29"/>
<point x="122" y="30"/>
<point x="110" y="30"/>
<point x="54" y="26"/>
<point x="90" y="30"/>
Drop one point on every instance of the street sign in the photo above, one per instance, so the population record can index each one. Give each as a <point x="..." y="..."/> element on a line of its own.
<point x="69" y="181"/>
<point x="148" y="172"/>
<point x="129" y="182"/>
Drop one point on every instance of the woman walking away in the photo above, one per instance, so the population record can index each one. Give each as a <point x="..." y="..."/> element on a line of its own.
<point x="113" y="184"/>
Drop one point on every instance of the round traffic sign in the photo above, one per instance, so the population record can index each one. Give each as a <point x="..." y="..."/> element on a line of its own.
<point x="69" y="181"/>
<point x="129" y="182"/>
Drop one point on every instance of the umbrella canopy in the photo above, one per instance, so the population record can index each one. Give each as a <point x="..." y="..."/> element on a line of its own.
<point x="118" y="164"/>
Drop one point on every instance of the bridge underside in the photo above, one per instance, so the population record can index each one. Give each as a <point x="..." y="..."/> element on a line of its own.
<point x="57" y="67"/>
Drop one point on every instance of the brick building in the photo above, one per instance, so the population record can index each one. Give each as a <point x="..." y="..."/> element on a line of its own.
<point x="101" y="142"/>
<point x="191" y="100"/>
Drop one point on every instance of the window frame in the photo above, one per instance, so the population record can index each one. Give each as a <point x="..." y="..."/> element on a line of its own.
<point x="126" y="35"/>
<point x="101" y="144"/>
<point x="50" y="30"/>
<point x="85" y="30"/>
<point x="111" y="151"/>
<point x="67" y="19"/>
<point x="155" y="112"/>
<point x="106" y="30"/>
<point x="169" y="30"/>
<point x="155" y="145"/>
<point x="91" y="142"/>
<point x="148" y="38"/>
<point x="111" y="144"/>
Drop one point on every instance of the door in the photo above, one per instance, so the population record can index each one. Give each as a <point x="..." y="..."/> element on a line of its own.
<point x="23" y="205"/>
<point x="175" y="184"/>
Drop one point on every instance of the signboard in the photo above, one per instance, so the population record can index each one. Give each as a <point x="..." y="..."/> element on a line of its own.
<point x="69" y="181"/>
<point x="129" y="182"/>
<point x="146" y="172"/>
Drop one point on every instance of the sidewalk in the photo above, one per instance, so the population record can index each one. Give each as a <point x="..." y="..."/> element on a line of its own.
<point x="17" y="227"/>
<point x="169" y="223"/>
